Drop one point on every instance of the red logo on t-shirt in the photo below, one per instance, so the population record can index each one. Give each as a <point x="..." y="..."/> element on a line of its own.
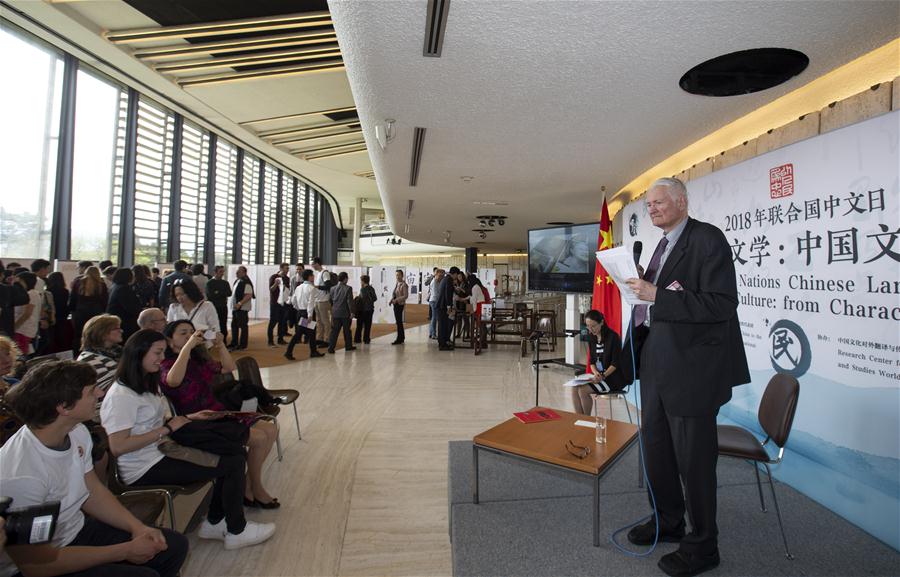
<point x="781" y="181"/>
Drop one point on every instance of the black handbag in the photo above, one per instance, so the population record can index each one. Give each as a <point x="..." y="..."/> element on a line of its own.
<point x="234" y="396"/>
<point x="220" y="437"/>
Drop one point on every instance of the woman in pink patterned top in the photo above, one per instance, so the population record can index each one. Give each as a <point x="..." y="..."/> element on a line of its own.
<point x="187" y="374"/>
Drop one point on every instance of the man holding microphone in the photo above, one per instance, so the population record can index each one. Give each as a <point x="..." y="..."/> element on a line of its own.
<point x="691" y="356"/>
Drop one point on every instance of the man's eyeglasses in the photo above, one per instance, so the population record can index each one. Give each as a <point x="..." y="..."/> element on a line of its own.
<point x="577" y="450"/>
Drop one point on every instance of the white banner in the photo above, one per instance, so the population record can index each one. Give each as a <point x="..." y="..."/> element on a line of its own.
<point x="353" y="274"/>
<point x="414" y="280"/>
<point x="814" y="230"/>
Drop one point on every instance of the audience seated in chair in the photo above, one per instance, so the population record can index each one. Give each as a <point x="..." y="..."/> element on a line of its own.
<point x="101" y="347"/>
<point x="49" y="460"/>
<point x="133" y="413"/>
<point x="604" y="350"/>
<point x="187" y="375"/>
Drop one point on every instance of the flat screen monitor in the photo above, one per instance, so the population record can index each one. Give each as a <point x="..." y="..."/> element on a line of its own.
<point x="562" y="259"/>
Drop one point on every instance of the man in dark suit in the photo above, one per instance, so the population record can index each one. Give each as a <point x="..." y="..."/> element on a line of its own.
<point x="444" y="304"/>
<point x="692" y="355"/>
<point x="165" y="287"/>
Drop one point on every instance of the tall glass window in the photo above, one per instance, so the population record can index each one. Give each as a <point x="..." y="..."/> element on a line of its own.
<point x="270" y="203"/>
<point x="31" y="102"/>
<point x="100" y="110"/>
<point x="249" y="210"/>
<point x="153" y="182"/>
<point x="194" y="169"/>
<point x="226" y="175"/>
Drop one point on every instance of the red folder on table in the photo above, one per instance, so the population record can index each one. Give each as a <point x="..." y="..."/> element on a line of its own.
<point x="537" y="415"/>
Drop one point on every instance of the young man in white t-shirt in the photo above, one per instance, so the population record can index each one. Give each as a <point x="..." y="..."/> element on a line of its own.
<point x="49" y="459"/>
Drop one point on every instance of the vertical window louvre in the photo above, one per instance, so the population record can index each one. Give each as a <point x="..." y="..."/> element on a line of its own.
<point x="152" y="182"/>
<point x="298" y="214"/>
<point x="251" y="185"/>
<point x="226" y="173"/>
<point x="270" y="201"/>
<point x="287" y="240"/>
<point x="115" y="205"/>
<point x="194" y="167"/>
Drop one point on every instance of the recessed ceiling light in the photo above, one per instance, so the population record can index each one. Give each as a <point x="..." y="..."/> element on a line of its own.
<point x="490" y="202"/>
<point x="467" y="179"/>
<point x="744" y="72"/>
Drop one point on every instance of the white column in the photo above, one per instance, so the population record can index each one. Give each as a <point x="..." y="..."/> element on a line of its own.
<point x="357" y="228"/>
<point x="573" y="324"/>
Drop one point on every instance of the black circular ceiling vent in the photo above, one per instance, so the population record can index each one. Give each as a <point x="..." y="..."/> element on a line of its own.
<point x="744" y="72"/>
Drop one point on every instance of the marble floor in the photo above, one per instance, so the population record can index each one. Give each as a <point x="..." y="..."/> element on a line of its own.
<point x="365" y="492"/>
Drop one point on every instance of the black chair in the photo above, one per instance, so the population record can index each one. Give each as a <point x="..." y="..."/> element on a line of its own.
<point x="248" y="370"/>
<point x="776" y="416"/>
<point x="128" y="494"/>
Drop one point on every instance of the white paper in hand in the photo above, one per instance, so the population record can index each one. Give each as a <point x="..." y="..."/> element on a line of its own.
<point x="619" y="264"/>
<point x="580" y="380"/>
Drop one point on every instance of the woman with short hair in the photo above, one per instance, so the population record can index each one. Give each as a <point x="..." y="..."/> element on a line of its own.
<point x="101" y="347"/>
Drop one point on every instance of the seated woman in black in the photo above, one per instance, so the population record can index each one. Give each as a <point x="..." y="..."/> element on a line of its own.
<point x="605" y="351"/>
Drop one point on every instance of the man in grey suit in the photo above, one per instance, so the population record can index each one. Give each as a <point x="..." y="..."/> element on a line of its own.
<point x="341" y="297"/>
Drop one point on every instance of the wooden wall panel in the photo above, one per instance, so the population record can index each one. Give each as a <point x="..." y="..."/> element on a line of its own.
<point x="804" y="127"/>
<point x="895" y="99"/>
<point x="701" y="169"/>
<point x="732" y="156"/>
<point x="856" y="108"/>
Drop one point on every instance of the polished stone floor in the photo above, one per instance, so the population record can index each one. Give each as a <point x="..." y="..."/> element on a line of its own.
<point x="365" y="491"/>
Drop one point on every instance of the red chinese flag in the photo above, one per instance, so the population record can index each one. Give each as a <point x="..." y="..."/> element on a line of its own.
<point x="606" y="294"/>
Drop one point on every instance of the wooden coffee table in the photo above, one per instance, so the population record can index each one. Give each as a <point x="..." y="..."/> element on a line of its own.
<point x="545" y="443"/>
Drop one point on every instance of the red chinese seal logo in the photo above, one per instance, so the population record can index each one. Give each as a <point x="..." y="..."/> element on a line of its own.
<point x="781" y="181"/>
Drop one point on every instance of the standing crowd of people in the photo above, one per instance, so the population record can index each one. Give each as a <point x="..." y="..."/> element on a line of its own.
<point x="453" y="297"/>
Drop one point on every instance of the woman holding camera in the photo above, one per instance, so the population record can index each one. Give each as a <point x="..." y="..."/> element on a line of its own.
<point x="187" y="374"/>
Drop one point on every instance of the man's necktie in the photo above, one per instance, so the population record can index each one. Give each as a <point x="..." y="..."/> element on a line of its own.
<point x="640" y="311"/>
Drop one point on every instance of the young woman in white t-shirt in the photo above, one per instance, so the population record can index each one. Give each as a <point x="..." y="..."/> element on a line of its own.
<point x="134" y="415"/>
<point x="190" y="305"/>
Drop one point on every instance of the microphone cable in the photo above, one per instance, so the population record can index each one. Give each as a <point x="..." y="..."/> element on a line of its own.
<point x="643" y="460"/>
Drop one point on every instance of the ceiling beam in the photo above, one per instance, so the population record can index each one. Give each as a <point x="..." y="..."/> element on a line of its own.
<point x="310" y="128"/>
<point x="321" y="136"/>
<point x="199" y="30"/>
<point x="296" y="55"/>
<point x="298" y="115"/>
<point x="306" y="151"/>
<point x="236" y="44"/>
<point x="328" y="65"/>
<point x="330" y="154"/>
